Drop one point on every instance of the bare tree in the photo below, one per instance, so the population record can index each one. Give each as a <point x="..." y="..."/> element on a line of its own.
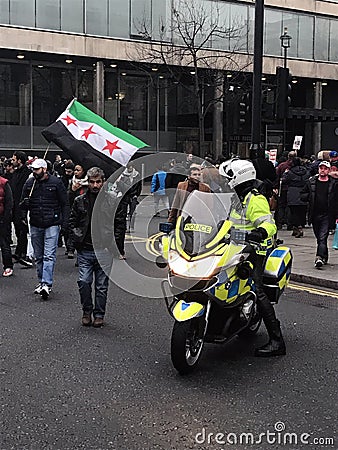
<point x="200" y="38"/>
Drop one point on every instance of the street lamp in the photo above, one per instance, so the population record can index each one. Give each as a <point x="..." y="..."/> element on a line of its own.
<point x="285" y="40"/>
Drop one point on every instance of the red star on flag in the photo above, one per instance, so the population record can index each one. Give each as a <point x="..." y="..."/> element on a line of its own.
<point x="69" y="121"/>
<point x="88" y="132"/>
<point x="111" y="146"/>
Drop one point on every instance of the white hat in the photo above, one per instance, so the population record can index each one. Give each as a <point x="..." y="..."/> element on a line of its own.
<point x="325" y="163"/>
<point x="38" y="163"/>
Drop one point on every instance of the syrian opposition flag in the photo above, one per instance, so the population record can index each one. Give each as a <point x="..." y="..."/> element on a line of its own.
<point x="90" y="140"/>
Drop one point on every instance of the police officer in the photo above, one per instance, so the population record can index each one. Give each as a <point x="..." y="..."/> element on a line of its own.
<point x="253" y="215"/>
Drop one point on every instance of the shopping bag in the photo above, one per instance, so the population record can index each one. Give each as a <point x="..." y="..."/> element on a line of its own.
<point x="335" y="238"/>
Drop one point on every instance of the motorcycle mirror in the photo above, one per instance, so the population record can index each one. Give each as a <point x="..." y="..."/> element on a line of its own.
<point x="161" y="262"/>
<point x="166" y="227"/>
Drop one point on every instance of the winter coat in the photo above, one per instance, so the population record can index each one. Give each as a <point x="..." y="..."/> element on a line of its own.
<point x="102" y="222"/>
<point x="308" y="194"/>
<point x="130" y="183"/>
<point x="295" y="179"/>
<point x="6" y="201"/>
<point x="48" y="202"/>
<point x="158" y="183"/>
<point x="17" y="182"/>
<point x="266" y="173"/>
<point x="181" y="196"/>
<point x="177" y="174"/>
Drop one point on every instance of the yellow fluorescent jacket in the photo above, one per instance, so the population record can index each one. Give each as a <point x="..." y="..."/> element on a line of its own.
<point x="255" y="213"/>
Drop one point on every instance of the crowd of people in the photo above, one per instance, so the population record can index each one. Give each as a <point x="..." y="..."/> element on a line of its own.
<point x="51" y="204"/>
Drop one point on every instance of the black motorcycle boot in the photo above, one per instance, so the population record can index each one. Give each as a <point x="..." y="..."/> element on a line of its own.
<point x="276" y="344"/>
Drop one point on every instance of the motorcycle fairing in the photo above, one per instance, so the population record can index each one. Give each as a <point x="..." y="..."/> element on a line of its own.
<point x="229" y="290"/>
<point x="185" y="311"/>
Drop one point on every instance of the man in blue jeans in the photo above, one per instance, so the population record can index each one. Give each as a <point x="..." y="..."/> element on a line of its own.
<point x="321" y="192"/>
<point x="45" y="197"/>
<point x="91" y="263"/>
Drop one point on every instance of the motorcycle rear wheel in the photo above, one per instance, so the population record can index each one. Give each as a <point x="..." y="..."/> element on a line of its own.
<point x="186" y="345"/>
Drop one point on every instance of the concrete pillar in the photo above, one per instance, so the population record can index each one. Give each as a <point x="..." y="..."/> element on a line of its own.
<point x="99" y="89"/>
<point x="317" y="126"/>
<point x="218" y="115"/>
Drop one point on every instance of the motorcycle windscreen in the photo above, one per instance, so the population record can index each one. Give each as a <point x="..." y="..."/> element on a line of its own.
<point x="201" y="221"/>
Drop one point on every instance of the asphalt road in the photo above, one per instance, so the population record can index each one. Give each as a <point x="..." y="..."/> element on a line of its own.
<point x="64" y="386"/>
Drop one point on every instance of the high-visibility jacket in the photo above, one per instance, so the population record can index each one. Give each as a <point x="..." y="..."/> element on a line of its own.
<point x="254" y="212"/>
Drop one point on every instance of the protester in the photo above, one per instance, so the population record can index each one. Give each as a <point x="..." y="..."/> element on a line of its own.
<point x="321" y="191"/>
<point x="282" y="213"/>
<point x="158" y="189"/>
<point x="184" y="189"/>
<point x="45" y="197"/>
<point x="68" y="173"/>
<point x="176" y="174"/>
<point x="295" y="179"/>
<point x="265" y="172"/>
<point x="8" y="169"/>
<point x="89" y="266"/>
<point x="57" y="166"/>
<point x="79" y="184"/>
<point x="19" y="178"/>
<point x="6" y="206"/>
<point x="132" y="178"/>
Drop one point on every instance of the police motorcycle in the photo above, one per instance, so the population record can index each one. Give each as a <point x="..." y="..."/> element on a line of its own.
<point x="209" y="290"/>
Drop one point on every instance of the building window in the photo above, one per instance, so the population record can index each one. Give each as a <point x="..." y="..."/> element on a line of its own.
<point x="22" y="12"/>
<point x="141" y="18"/>
<point x="333" y="55"/>
<point x="4" y="11"/>
<point x="239" y="19"/>
<point x="72" y="16"/>
<point x="119" y="18"/>
<point x="322" y="39"/>
<point x="161" y="13"/>
<point x="53" y="89"/>
<point x="273" y="30"/>
<point x="305" y="36"/>
<point x="97" y="17"/>
<point x="48" y="14"/>
<point x="15" y="105"/>
<point x="222" y="14"/>
<point x="291" y="22"/>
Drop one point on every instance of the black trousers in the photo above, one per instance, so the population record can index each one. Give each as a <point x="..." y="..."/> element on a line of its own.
<point x="21" y="231"/>
<point x="120" y="225"/>
<point x="5" y="245"/>
<point x="264" y="305"/>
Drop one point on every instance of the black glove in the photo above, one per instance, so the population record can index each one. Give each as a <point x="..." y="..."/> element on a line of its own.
<point x="257" y="235"/>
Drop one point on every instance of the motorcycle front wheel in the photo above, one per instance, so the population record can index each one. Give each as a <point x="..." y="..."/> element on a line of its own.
<point x="187" y="341"/>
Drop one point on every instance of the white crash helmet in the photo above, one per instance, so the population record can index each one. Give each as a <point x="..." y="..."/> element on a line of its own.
<point x="237" y="171"/>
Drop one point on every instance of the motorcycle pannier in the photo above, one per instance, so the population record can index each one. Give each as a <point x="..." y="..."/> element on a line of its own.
<point x="277" y="272"/>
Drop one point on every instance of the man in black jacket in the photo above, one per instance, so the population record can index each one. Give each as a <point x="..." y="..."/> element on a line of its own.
<point x="85" y="234"/>
<point x="321" y="192"/>
<point x="45" y="197"/>
<point x="19" y="178"/>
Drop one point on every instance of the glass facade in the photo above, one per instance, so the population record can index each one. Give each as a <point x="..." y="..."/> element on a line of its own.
<point x="152" y="19"/>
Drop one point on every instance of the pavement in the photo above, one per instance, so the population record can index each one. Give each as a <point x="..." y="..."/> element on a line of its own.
<point x="304" y="252"/>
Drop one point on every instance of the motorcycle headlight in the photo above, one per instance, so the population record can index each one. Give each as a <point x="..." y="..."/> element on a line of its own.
<point x="202" y="268"/>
